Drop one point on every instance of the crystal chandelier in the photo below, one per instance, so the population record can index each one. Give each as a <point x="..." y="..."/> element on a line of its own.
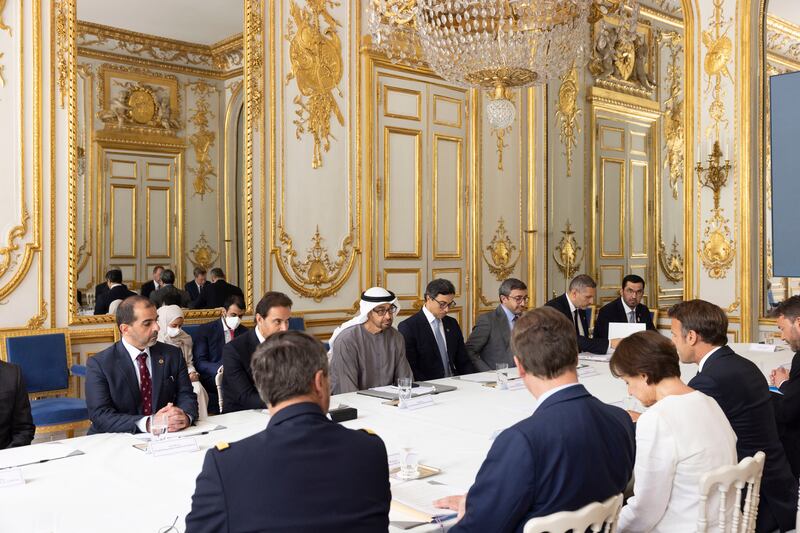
<point x="493" y="44"/>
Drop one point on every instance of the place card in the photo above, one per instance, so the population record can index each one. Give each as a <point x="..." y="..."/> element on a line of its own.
<point x="516" y="384"/>
<point x="172" y="446"/>
<point x="11" y="477"/>
<point x="756" y="347"/>
<point x="419" y="402"/>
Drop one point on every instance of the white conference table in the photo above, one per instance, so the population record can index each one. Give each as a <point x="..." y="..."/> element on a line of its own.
<point x="115" y="487"/>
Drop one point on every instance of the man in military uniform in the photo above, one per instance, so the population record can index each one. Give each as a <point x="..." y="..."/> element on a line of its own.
<point x="289" y="476"/>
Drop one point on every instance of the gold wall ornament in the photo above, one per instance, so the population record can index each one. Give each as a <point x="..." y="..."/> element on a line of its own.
<point x="673" y="111"/>
<point x="568" y="255"/>
<point x="3" y="25"/>
<point x="202" y="255"/>
<point x="501" y="144"/>
<point x="65" y="38"/>
<point x="567" y="113"/>
<point x="317" y="276"/>
<point x="316" y="56"/>
<point x="37" y="320"/>
<point x="717" y="250"/>
<point x="734" y="306"/>
<point x="254" y="59"/>
<point x="202" y="140"/>
<point x="671" y="264"/>
<point x="2" y="69"/>
<point x="7" y="253"/>
<point x="140" y="104"/>
<point x="622" y="56"/>
<point x="718" y="54"/>
<point x="501" y="250"/>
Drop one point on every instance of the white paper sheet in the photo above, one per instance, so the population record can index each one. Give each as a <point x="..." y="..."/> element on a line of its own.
<point x="620" y="330"/>
<point x="37" y="453"/>
<point x="416" y="391"/>
<point x="419" y="495"/>
<point x="200" y="428"/>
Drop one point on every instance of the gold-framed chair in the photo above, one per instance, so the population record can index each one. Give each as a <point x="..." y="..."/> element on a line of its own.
<point x="45" y="358"/>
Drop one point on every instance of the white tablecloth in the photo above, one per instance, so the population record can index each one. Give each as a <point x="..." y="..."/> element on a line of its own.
<point x="115" y="487"/>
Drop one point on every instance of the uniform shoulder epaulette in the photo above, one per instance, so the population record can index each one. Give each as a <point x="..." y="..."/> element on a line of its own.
<point x="223" y="446"/>
<point x="368" y="431"/>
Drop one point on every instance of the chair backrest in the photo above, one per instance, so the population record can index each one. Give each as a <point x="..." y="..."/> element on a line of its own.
<point x="654" y="317"/>
<point x="218" y="383"/>
<point x="297" y="322"/>
<point x="44" y="357"/>
<point x="112" y="307"/>
<point x="745" y="474"/>
<point x="596" y="517"/>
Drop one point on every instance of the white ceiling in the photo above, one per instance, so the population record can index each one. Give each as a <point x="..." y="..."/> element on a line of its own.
<point x="194" y="21"/>
<point x="785" y="9"/>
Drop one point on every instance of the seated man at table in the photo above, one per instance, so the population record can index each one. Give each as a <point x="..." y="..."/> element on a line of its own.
<point x="303" y="472"/>
<point x="573" y="304"/>
<point x="138" y="377"/>
<point x="238" y="389"/>
<point x="116" y="291"/>
<point x="168" y="293"/>
<point x="366" y="351"/>
<point x="545" y="464"/>
<point x="627" y="308"/>
<point x="434" y="342"/>
<point x="16" y="424"/>
<point x="490" y="340"/>
<point x="700" y="332"/>
<point x="211" y="337"/>
<point x="787" y="403"/>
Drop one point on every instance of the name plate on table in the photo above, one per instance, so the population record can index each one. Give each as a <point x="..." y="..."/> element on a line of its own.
<point x="11" y="478"/>
<point x="172" y="446"/>
<point x="757" y="347"/>
<point x="419" y="402"/>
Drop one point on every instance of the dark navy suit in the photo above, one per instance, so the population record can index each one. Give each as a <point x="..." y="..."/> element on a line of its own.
<point x="614" y="312"/>
<point x="787" y="413"/>
<point x="585" y="343"/>
<point x="303" y="473"/>
<point x="573" y="450"/>
<point x="238" y="390"/>
<point x="119" y="292"/>
<point x="207" y="352"/>
<point x="113" y="396"/>
<point x="192" y="289"/>
<point x="16" y="423"/>
<point x="741" y="391"/>
<point x="422" y="351"/>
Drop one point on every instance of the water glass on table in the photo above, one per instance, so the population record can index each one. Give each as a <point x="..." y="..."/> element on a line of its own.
<point x="158" y="426"/>
<point x="502" y="375"/>
<point x="409" y="462"/>
<point x="404" y="392"/>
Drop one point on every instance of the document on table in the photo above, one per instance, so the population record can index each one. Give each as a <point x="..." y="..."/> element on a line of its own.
<point x="587" y="356"/>
<point x="415" y="498"/>
<point x="587" y="371"/>
<point x="200" y="428"/>
<point x="36" y="453"/>
<point x="416" y="391"/>
<point x="620" y="330"/>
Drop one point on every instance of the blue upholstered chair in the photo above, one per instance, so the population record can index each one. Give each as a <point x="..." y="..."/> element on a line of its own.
<point x="297" y="322"/>
<point x="192" y="330"/>
<point x="45" y="358"/>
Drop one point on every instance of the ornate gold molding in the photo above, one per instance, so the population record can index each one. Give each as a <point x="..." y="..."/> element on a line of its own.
<point x="37" y="321"/>
<point x="2" y="69"/>
<point x="717" y="251"/>
<point x="673" y="111"/>
<point x="65" y="41"/>
<point x="316" y="56"/>
<point x="317" y="276"/>
<point x="3" y="25"/>
<point x="623" y="56"/>
<point x="718" y="54"/>
<point x="202" y="255"/>
<point x="501" y="144"/>
<point x="567" y="113"/>
<point x="568" y="255"/>
<point x="254" y="59"/>
<point x="202" y="140"/>
<point x="7" y="253"/>
<point x="501" y="250"/>
<point x="671" y="264"/>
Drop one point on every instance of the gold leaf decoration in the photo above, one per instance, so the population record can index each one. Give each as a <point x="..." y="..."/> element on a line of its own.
<point x="64" y="39"/>
<point x="567" y="113"/>
<point x="501" y="144"/>
<point x="719" y="49"/>
<point x="717" y="250"/>
<point x="254" y="54"/>
<point x="14" y="234"/>
<point x="37" y="321"/>
<point x="501" y="250"/>
<point x="316" y="56"/>
<point x="673" y="112"/>
<point x="671" y="264"/>
<point x="202" y="255"/>
<point x="568" y="255"/>
<point x="202" y="140"/>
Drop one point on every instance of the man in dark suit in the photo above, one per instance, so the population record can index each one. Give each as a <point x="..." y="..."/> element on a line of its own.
<point x="542" y="465"/>
<point x="787" y="403"/>
<point x="16" y="424"/>
<point x="195" y="287"/>
<point x="153" y="284"/>
<point x="434" y="342"/>
<point x="288" y="477"/>
<point x="168" y="293"/>
<point x="116" y="291"/>
<point x="215" y="293"/>
<point x="699" y="331"/>
<point x="137" y="378"/>
<point x="238" y="389"/>
<point x="490" y="340"/>
<point x="209" y="341"/>
<point x="573" y="304"/>
<point x="627" y="308"/>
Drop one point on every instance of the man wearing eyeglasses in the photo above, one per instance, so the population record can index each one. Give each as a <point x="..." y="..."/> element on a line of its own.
<point x="434" y="342"/>
<point x="366" y="351"/>
<point x="490" y="340"/>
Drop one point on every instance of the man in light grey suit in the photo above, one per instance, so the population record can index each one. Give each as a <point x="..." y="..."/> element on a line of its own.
<point x="488" y="343"/>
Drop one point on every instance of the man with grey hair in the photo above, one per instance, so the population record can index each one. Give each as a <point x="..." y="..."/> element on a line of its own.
<point x="573" y="304"/>
<point x="285" y="477"/>
<point x="489" y="342"/>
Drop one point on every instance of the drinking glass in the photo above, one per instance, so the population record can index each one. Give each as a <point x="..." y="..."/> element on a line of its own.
<point x="409" y="462"/>
<point x="502" y="375"/>
<point x="158" y="426"/>
<point x="404" y="388"/>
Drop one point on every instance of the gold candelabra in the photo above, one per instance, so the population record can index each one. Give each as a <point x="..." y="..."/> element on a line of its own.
<point x="717" y="249"/>
<point x="715" y="175"/>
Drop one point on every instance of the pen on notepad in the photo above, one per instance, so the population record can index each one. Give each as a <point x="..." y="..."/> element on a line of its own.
<point x="439" y="518"/>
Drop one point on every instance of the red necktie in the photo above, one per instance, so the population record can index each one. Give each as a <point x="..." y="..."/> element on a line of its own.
<point x="146" y="386"/>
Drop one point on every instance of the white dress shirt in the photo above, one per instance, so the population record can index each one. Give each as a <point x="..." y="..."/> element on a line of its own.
<point x="705" y="358"/>
<point x="678" y="439"/>
<point x="134" y="353"/>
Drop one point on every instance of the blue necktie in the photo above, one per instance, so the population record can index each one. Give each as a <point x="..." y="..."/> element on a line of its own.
<point x="437" y="332"/>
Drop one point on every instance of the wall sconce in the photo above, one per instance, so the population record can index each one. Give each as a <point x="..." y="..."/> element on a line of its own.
<point x="717" y="250"/>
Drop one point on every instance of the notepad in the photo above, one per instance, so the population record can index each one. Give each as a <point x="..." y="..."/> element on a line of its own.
<point x="200" y="428"/>
<point x="415" y="498"/>
<point x="620" y="330"/>
<point x="37" y="453"/>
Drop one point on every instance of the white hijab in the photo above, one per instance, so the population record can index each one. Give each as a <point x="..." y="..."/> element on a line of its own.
<point x="370" y="299"/>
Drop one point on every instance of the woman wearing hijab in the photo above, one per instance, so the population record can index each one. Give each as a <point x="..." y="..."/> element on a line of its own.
<point x="170" y="321"/>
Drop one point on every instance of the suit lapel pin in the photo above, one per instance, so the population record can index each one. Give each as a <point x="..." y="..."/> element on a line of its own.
<point x="161" y="361"/>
